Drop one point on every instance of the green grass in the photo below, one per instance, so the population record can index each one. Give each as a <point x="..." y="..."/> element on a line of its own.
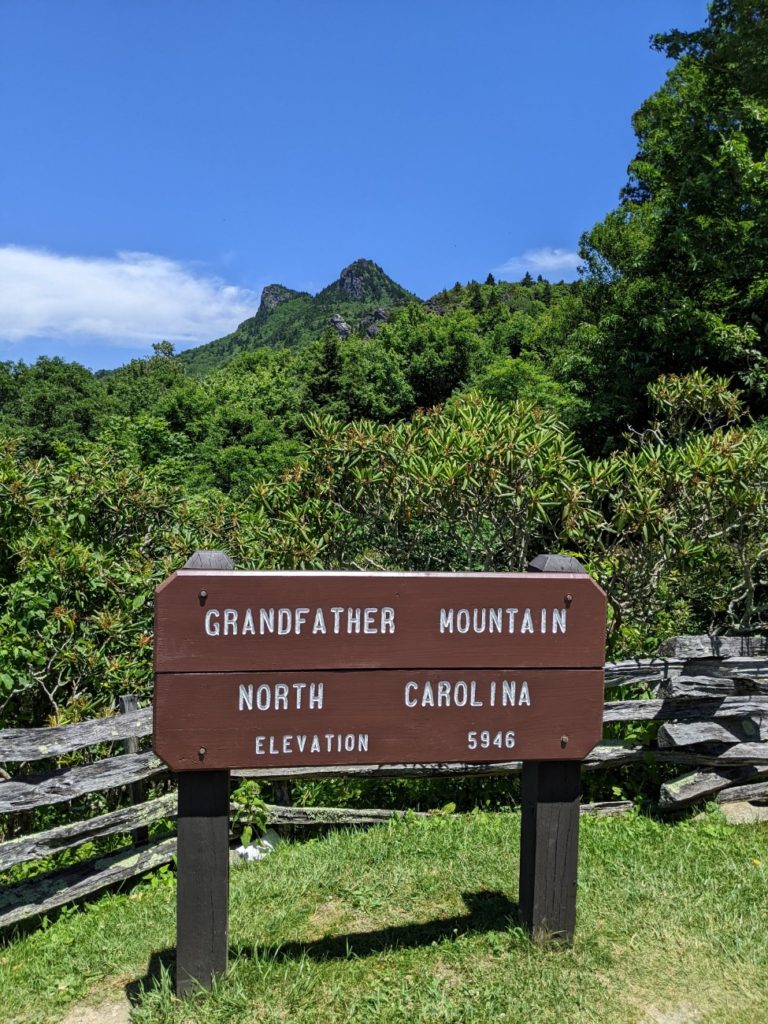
<point x="416" y="922"/>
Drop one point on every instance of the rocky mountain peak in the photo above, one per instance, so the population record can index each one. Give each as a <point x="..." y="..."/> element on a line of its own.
<point x="274" y="294"/>
<point x="365" y="281"/>
<point x="355" y="278"/>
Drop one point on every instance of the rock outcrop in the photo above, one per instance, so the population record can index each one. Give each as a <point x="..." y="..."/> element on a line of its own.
<point x="340" y="325"/>
<point x="274" y="294"/>
<point x="370" y="324"/>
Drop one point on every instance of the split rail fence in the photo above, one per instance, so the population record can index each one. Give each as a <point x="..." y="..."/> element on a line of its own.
<point x="710" y="697"/>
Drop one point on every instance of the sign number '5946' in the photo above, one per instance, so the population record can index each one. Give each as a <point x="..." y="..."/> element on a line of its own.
<point x="486" y="739"/>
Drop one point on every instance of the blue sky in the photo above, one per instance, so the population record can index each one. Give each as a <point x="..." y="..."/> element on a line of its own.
<point x="163" y="160"/>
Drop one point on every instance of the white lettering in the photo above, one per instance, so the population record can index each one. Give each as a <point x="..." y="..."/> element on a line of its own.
<point x="281" y="696"/>
<point x="387" y="626"/>
<point x="353" y="620"/>
<point x="444" y="693"/>
<point x="336" y="612"/>
<point x="248" y="624"/>
<point x="460" y="693"/>
<point x="299" y="618"/>
<point x="266" y="620"/>
<point x="286" y="744"/>
<point x="511" y="613"/>
<point x="298" y="687"/>
<point x="472" y="698"/>
<point x="558" y="620"/>
<point x="246" y="697"/>
<point x="319" y="626"/>
<point x="494" y="620"/>
<point x="230" y="621"/>
<point x="283" y="621"/>
<point x="212" y="628"/>
<point x="478" y="619"/>
<point x="462" y="620"/>
<point x="410" y="702"/>
<point x="427" y="696"/>
<point x="446" y="620"/>
<point x="508" y="688"/>
<point x="527" y="626"/>
<point x="525" y="697"/>
<point x="368" y="624"/>
<point x="263" y="697"/>
<point x="315" y="695"/>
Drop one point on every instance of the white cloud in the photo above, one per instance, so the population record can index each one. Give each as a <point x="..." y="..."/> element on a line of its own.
<point x="129" y="299"/>
<point x="547" y="261"/>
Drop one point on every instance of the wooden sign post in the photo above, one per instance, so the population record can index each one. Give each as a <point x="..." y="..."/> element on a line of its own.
<point x="302" y="669"/>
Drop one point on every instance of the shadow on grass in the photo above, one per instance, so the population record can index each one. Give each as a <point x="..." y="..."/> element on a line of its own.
<point x="487" y="911"/>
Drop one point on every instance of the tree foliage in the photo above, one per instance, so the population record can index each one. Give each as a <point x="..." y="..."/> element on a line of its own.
<point x="617" y="418"/>
<point x="677" y="271"/>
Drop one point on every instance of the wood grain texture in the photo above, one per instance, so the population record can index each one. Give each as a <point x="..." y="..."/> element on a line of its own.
<point x="202" y="888"/>
<point x="727" y="668"/>
<point x="36" y="744"/>
<point x="711" y="646"/>
<point x="695" y="786"/>
<point x="182" y="644"/>
<point x="549" y="846"/>
<point x="641" y="671"/>
<point x="614" y="754"/>
<point x="685" y="709"/>
<point x="64" y="837"/>
<point x="606" y="808"/>
<point x="128" y="704"/>
<point x="691" y="734"/>
<point x="692" y="687"/>
<point x="412" y="771"/>
<point x="207" y="558"/>
<point x="278" y="815"/>
<point x="757" y="791"/>
<point x="608" y="754"/>
<point x="42" y="895"/>
<point x="203" y="722"/>
<point x="22" y="794"/>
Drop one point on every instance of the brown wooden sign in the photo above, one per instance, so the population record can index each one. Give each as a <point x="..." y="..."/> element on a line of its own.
<point x="246" y="621"/>
<point x="272" y="720"/>
<point x="301" y="669"/>
<point x="281" y="669"/>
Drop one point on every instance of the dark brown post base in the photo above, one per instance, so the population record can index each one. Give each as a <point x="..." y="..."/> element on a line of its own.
<point x="549" y="848"/>
<point x="202" y="893"/>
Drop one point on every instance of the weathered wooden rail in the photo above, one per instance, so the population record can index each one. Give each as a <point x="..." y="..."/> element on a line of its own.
<point x="712" y="709"/>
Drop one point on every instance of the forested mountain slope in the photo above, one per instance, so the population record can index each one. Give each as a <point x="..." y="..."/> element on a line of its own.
<point x="358" y="301"/>
<point x="621" y="417"/>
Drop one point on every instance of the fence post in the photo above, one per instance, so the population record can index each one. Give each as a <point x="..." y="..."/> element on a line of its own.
<point x="282" y="791"/>
<point x="549" y="827"/>
<point x="137" y="790"/>
<point x="202" y="893"/>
